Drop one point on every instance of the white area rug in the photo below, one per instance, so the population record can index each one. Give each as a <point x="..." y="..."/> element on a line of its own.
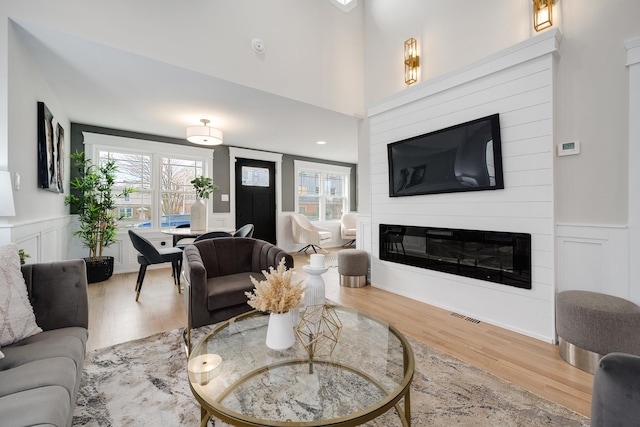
<point x="144" y="383"/>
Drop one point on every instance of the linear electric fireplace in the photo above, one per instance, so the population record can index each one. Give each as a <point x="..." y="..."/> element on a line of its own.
<point x="494" y="256"/>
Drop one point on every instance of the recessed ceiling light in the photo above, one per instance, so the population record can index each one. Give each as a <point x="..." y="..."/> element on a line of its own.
<point x="345" y="5"/>
<point x="321" y="142"/>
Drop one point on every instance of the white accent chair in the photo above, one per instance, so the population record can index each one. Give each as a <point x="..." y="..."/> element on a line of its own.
<point x="348" y="226"/>
<point x="304" y="232"/>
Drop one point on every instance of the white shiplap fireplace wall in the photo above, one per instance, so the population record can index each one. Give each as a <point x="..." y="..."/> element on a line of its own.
<point x="518" y="84"/>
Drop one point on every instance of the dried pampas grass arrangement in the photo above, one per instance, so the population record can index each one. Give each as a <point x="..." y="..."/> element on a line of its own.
<point x="277" y="294"/>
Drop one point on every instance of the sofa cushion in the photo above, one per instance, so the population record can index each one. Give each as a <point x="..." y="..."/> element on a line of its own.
<point x="51" y="371"/>
<point x="18" y="320"/>
<point x="43" y="406"/>
<point x="65" y="342"/>
<point x="229" y="290"/>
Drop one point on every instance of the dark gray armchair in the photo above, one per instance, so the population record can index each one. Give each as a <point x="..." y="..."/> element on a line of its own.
<point x="217" y="275"/>
<point x="616" y="391"/>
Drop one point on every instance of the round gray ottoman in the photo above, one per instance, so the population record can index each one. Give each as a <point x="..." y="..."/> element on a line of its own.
<point x="352" y="267"/>
<point x="590" y="325"/>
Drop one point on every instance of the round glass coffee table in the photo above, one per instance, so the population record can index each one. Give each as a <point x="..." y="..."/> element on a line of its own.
<point x="244" y="383"/>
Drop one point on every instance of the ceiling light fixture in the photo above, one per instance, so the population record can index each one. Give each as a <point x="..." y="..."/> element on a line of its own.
<point x="345" y="5"/>
<point x="321" y="142"/>
<point x="542" y="14"/>
<point x="204" y="135"/>
<point x="411" y="61"/>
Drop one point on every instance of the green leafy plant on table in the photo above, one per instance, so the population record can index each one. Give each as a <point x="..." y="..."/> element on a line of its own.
<point x="204" y="186"/>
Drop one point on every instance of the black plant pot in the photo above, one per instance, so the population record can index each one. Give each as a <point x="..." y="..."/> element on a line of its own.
<point x="99" y="270"/>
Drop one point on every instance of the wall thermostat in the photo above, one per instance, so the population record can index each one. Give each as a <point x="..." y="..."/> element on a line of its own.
<point x="568" y="148"/>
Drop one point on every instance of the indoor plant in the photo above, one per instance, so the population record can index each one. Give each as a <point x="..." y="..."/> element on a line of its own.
<point x="94" y="202"/>
<point x="278" y="294"/>
<point x="204" y="187"/>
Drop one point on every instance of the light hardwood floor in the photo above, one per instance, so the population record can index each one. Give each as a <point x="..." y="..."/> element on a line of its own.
<point x="115" y="316"/>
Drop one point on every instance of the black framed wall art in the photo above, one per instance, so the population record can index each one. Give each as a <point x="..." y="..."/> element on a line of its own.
<point x="50" y="151"/>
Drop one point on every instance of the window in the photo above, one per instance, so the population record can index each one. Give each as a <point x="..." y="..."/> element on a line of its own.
<point x="176" y="192"/>
<point x="162" y="180"/>
<point x="126" y="212"/>
<point x="134" y="170"/>
<point x="322" y="190"/>
<point x="255" y="177"/>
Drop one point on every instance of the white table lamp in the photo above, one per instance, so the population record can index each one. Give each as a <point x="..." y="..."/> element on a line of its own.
<point x="6" y="195"/>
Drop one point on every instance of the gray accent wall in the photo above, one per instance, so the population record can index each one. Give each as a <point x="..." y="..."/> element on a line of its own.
<point x="221" y="172"/>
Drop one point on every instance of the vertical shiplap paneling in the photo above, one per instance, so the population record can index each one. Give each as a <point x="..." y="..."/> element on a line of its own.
<point x="521" y="92"/>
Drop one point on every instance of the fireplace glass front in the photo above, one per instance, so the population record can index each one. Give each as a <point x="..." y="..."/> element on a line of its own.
<point x="495" y="256"/>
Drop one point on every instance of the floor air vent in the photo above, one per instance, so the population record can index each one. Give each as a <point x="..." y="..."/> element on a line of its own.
<point x="463" y="317"/>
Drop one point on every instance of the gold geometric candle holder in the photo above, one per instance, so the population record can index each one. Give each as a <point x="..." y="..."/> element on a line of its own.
<point x="319" y="331"/>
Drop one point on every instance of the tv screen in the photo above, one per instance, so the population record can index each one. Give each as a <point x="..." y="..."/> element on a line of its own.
<point x="464" y="157"/>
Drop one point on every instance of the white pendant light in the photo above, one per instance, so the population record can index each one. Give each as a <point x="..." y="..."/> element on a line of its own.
<point x="204" y="135"/>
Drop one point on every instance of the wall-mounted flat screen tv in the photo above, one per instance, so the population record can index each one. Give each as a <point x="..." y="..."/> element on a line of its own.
<point x="464" y="157"/>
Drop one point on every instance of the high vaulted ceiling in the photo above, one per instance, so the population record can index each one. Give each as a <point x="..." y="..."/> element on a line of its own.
<point x="102" y="86"/>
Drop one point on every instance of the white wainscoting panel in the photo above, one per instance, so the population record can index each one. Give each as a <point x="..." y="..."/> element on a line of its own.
<point x="364" y="233"/>
<point x="594" y="258"/>
<point x="518" y="84"/>
<point x="44" y="240"/>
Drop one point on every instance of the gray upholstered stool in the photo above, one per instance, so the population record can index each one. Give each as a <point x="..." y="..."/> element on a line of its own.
<point x="591" y="324"/>
<point x="352" y="267"/>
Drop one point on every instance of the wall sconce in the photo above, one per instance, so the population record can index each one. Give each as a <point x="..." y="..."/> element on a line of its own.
<point x="411" y="61"/>
<point x="542" y="14"/>
<point x="204" y="135"/>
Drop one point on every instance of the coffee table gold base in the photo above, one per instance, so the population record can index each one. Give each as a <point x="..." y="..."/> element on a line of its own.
<point x="405" y="415"/>
<point x="365" y="330"/>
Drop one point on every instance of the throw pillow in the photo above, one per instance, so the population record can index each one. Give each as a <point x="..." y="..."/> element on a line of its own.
<point x="17" y="320"/>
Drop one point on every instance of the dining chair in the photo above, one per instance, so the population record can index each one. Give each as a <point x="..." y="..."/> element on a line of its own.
<point x="149" y="254"/>
<point x="212" y="235"/>
<point x="179" y="241"/>
<point x="244" y="231"/>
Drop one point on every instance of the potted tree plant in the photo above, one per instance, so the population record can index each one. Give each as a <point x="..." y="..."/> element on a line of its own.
<point x="204" y="187"/>
<point x="94" y="202"/>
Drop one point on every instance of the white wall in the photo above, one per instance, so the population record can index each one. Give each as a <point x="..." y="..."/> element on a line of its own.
<point x="302" y="60"/>
<point x="41" y="224"/>
<point x="591" y="90"/>
<point x="517" y="83"/>
<point x="633" y="63"/>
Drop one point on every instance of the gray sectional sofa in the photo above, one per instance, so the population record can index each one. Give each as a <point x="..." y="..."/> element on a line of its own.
<point x="40" y="375"/>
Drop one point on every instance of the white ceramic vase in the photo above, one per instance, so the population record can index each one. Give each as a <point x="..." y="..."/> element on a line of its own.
<point x="314" y="293"/>
<point x="198" y="215"/>
<point x="280" y="334"/>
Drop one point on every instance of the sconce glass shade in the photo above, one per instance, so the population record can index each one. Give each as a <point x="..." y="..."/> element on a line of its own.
<point x="6" y="195"/>
<point x="204" y="135"/>
<point x="411" y="61"/>
<point x="542" y="14"/>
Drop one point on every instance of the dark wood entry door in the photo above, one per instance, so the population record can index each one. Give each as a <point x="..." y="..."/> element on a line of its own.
<point x="256" y="197"/>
